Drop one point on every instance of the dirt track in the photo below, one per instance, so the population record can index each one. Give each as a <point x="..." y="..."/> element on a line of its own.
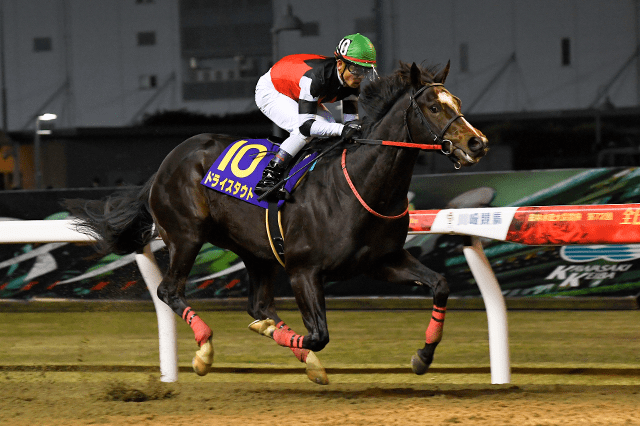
<point x="569" y="368"/>
<point x="103" y="398"/>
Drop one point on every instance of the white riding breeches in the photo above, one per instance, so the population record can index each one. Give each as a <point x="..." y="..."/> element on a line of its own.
<point x="283" y="111"/>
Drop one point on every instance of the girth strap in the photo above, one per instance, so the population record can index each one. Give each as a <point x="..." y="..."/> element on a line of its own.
<point x="274" y="232"/>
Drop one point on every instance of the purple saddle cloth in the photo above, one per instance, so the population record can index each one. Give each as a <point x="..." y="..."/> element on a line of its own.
<point x="239" y="168"/>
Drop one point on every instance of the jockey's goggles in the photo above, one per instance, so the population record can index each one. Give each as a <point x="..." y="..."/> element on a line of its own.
<point x="360" y="71"/>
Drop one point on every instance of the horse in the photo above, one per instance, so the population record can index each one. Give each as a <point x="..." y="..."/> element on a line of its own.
<point x="349" y="217"/>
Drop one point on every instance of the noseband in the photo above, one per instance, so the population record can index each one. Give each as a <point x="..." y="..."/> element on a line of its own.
<point x="438" y="138"/>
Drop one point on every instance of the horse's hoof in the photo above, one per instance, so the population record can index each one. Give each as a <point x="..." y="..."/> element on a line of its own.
<point x="265" y="327"/>
<point x="203" y="359"/>
<point x="418" y="365"/>
<point x="421" y="361"/>
<point x="315" y="370"/>
<point x="199" y="366"/>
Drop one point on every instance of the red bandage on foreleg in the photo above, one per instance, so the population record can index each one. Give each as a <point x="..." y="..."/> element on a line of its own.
<point x="301" y="354"/>
<point x="287" y="337"/>
<point x="434" y="331"/>
<point x="201" y="330"/>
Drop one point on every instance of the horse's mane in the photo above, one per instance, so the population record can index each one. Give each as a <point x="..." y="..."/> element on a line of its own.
<point x="378" y="97"/>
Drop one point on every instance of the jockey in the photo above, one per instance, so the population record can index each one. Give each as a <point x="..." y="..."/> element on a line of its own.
<point x="293" y="91"/>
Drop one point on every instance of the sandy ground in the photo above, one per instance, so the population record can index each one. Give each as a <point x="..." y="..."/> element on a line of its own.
<point x="568" y="368"/>
<point x="29" y="398"/>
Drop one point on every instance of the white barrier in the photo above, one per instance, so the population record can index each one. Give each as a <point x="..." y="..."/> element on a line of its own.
<point x="496" y="308"/>
<point x="167" y="335"/>
<point x="550" y="225"/>
<point x="40" y="231"/>
<point x="555" y="225"/>
<point x="52" y="231"/>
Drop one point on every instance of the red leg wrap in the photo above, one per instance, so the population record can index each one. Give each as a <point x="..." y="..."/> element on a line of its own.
<point x="201" y="330"/>
<point x="434" y="331"/>
<point x="301" y="354"/>
<point x="286" y="337"/>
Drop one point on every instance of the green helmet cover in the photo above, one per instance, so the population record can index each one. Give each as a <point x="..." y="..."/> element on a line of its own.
<point x="358" y="49"/>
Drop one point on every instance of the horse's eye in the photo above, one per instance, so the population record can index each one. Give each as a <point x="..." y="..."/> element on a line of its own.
<point x="433" y="109"/>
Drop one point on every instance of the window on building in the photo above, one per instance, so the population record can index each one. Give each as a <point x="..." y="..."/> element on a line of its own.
<point x="224" y="54"/>
<point x="147" y="38"/>
<point x="464" y="57"/>
<point x="42" y="44"/>
<point x="310" y="29"/>
<point x="566" y="52"/>
<point x="148" y="82"/>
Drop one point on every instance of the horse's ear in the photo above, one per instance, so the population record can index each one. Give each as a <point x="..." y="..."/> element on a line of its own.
<point x="442" y="75"/>
<point x="416" y="76"/>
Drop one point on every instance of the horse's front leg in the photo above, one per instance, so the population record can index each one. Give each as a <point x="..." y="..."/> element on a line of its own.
<point x="171" y="292"/>
<point x="313" y="367"/>
<point x="402" y="268"/>
<point x="309" y="294"/>
<point x="261" y="307"/>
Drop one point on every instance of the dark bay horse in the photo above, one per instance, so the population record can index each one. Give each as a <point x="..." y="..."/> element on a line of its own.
<point x="328" y="232"/>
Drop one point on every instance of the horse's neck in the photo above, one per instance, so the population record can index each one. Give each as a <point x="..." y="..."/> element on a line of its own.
<point x="385" y="171"/>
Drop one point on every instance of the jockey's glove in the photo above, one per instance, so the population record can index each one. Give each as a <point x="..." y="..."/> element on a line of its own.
<point x="351" y="131"/>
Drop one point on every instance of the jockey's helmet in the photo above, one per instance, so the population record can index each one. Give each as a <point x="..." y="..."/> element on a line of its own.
<point x="359" y="54"/>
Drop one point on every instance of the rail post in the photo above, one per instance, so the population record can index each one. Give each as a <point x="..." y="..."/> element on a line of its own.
<point x="166" y="320"/>
<point x="495" y="307"/>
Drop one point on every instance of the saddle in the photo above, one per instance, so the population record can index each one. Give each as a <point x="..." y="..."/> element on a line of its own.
<point x="239" y="168"/>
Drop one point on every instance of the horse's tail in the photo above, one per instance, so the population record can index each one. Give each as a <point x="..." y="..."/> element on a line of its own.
<point x="121" y="223"/>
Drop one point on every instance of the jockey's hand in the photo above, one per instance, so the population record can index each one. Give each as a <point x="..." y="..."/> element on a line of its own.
<point x="351" y="131"/>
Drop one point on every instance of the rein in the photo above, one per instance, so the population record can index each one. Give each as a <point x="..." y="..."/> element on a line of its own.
<point x="444" y="145"/>
<point x="398" y="144"/>
<point x="357" y="194"/>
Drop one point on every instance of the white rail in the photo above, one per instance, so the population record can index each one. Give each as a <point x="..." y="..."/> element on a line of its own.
<point x="548" y="225"/>
<point x="602" y="224"/>
<point x="52" y="231"/>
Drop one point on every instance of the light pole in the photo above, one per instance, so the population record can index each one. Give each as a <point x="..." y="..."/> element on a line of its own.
<point x="36" y="145"/>
<point x="286" y="22"/>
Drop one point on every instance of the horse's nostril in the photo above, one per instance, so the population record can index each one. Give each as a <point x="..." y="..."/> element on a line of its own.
<point x="475" y="144"/>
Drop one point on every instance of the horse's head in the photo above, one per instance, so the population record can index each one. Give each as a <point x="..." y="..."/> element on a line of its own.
<point x="433" y="116"/>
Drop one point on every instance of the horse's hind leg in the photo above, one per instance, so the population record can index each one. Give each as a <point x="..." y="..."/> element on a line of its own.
<point x="262" y="275"/>
<point x="261" y="307"/>
<point x="402" y="268"/>
<point x="172" y="291"/>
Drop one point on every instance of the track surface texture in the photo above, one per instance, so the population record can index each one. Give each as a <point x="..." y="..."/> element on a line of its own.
<point x="49" y="400"/>
<point x="569" y="368"/>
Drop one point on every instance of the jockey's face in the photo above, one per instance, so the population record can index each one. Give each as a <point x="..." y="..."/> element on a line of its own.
<point x="352" y="80"/>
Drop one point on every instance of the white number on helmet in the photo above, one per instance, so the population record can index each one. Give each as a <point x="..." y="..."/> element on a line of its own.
<point x="343" y="46"/>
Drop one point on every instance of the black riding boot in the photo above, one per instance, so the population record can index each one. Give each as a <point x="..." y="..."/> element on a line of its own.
<point x="273" y="174"/>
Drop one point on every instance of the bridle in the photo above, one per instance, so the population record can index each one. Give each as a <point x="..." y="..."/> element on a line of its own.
<point x="437" y="138"/>
<point x="439" y="142"/>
